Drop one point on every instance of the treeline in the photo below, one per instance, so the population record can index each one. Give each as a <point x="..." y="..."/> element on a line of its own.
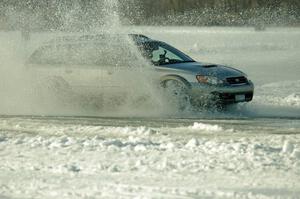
<point x="84" y="14"/>
<point x="220" y="12"/>
<point x="235" y="6"/>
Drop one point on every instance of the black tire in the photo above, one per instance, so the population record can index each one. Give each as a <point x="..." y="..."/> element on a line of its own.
<point x="52" y="89"/>
<point x="177" y="93"/>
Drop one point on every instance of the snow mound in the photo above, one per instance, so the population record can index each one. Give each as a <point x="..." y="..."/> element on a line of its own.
<point x="192" y="143"/>
<point x="142" y="130"/>
<point x="206" y="127"/>
<point x="288" y="147"/>
<point x="293" y="100"/>
<point x="285" y="93"/>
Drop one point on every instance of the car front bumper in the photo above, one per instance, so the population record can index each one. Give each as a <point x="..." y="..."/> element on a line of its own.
<point x="224" y="93"/>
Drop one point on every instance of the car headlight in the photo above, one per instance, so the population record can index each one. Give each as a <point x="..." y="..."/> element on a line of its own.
<point x="209" y="80"/>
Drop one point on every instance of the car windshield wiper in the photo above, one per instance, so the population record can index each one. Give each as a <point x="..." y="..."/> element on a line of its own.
<point x="178" y="62"/>
<point x="172" y="62"/>
<point x="188" y="61"/>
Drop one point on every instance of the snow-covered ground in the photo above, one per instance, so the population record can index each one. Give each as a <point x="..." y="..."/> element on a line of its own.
<point x="144" y="158"/>
<point x="250" y="151"/>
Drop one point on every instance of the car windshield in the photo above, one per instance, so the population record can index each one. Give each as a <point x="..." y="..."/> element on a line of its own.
<point x="160" y="53"/>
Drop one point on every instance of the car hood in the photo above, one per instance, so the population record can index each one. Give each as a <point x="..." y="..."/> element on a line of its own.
<point x="207" y="69"/>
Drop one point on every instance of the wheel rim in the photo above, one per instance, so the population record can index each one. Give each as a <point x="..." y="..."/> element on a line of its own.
<point x="177" y="93"/>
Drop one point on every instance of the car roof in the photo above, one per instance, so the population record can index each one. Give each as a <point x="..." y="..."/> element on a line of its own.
<point x="137" y="38"/>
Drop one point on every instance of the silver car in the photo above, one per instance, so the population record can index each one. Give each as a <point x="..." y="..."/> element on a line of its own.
<point x="201" y="81"/>
<point x="184" y="78"/>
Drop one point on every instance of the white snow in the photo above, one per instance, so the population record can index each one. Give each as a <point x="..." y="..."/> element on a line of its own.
<point x="206" y="127"/>
<point x="288" y="147"/>
<point x="192" y="143"/>
<point x="58" y="159"/>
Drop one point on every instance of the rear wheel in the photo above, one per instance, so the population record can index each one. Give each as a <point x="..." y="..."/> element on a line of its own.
<point x="52" y="89"/>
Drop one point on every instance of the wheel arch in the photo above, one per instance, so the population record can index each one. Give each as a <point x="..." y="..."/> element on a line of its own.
<point x="165" y="78"/>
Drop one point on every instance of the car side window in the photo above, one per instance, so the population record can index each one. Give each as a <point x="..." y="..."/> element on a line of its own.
<point x="115" y="55"/>
<point x="44" y="55"/>
<point x="157" y="55"/>
<point x="90" y="53"/>
<point x="52" y="55"/>
<point x="67" y="54"/>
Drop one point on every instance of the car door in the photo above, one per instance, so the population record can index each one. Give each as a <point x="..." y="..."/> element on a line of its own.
<point x="46" y="66"/>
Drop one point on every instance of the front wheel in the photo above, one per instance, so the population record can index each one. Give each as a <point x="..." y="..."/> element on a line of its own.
<point x="177" y="93"/>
